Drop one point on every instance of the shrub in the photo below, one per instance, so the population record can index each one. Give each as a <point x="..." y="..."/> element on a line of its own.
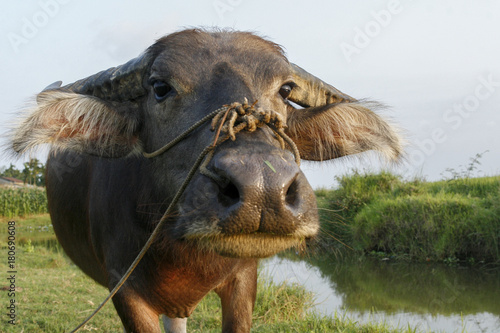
<point x="438" y="226"/>
<point x="457" y="218"/>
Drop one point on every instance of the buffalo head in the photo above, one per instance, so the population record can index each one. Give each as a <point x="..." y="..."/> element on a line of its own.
<point x="260" y="202"/>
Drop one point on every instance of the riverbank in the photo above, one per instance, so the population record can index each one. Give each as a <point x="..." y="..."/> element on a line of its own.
<point x="455" y="220"/>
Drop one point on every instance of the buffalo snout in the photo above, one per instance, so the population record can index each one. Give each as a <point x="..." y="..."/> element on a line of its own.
<point x="254" y="192"/>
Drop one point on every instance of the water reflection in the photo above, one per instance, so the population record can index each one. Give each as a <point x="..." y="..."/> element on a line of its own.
<point x="429" y="296"/>
<point x="38" y="236"/>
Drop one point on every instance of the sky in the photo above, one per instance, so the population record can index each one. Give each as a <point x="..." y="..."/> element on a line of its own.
<point x="435" y="64"/>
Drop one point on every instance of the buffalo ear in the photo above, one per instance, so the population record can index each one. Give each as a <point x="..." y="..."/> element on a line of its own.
<point x="81" y="123"/>
<point x="346" y="128"/>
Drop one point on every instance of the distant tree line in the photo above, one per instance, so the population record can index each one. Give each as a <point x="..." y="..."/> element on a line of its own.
<point x="32" y="174"/>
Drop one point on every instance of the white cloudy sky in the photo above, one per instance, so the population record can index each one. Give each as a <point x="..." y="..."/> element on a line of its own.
<point x="435" y="63"/>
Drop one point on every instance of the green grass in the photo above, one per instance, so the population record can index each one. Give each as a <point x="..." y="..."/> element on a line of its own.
<point x="53" y="295"/>
<point x="436" y="226"/>
<point x="420" y="220"/>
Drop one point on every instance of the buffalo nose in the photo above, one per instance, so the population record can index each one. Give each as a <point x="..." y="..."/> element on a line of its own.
<point x="256" y="190"/>
<point x="231" y="188"/>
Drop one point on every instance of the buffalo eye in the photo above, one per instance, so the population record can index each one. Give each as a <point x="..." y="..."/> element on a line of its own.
<point x="161" y="90"/>
<point x="285" y="90"/>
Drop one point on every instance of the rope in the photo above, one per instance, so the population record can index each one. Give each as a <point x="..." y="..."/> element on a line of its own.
<point x="151" y="238"/>
<point x="183" y="135"/>
<point x="230" y="119"/>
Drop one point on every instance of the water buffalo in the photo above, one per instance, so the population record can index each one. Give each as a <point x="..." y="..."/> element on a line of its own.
<point x="105" y="197"/>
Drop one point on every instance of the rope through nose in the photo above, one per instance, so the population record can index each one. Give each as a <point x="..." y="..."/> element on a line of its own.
<point x="232" y="119"/>
<point x="237" y="117"/>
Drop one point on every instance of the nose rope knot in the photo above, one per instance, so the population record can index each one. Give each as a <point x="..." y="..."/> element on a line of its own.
<point x="233" y="118"/>
<point x="244" y="116"/>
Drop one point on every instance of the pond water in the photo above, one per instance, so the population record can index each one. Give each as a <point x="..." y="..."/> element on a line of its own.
<point x="43" y="236"/>
<point x="430" y="297"/>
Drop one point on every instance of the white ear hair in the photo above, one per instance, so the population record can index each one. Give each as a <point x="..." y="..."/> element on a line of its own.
<point x="336" y="130"/>
<point x="76" y="122"/>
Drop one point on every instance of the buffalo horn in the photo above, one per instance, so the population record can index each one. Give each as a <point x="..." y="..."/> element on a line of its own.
<point x="311" y="91"/>
<point x="115" y="84"/>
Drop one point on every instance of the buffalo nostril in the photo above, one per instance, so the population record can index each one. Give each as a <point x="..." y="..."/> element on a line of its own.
<point x="292" y="194"/>
<point x="229" y="194"/>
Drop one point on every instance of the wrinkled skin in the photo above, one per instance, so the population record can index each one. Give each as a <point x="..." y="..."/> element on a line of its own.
<point x="105" y="198"/>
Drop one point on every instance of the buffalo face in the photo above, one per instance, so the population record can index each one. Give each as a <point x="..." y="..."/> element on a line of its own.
<point x="259" y="202"/>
